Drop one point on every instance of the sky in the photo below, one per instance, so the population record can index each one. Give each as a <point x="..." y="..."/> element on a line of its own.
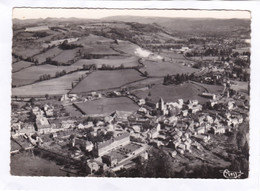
<point x="33" y="13"/>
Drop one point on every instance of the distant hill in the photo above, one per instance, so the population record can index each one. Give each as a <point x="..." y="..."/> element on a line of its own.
<point x="187" y="24"/>
<point x="169" y="24"/>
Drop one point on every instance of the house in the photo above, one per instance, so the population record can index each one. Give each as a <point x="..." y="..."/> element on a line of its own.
<point x="204" y="138"/>
<point x="64" y="98"/>
<point x="142" y="110"/>
<point x="67" y="124"/>
<point x="200" y="130"/>
<point x="184" y="49"/>
<point x="176" y="143"/>
<point x="209" y="119"/>
<point x="153" y="133"/>
<point x="173" y="120"/>
<point x="141" y="102"/>
<point x="180" y="102"/>
<point x="208" y="95"/>
<point x="173" y="153"/>
<point x="181" y="147"/>
<point x="218" y="130"/>
<point x="81" y="126"/>
<point x="108" y="119"/>
<point x="100" y="123"/>
<point x="42" y="122"/>
<point x="16" y="126"/>
<point x="37" y="111"/>
<point x="48" y="110"/>
<point x="187" y="144"/>
<point x="136" y="128"/>
<point x="145" y="155"/>
<point x="196" y="108"/>
<point x="184" y="113"/>
<point x="231" y="105"/>
<point x="121" y="115"/>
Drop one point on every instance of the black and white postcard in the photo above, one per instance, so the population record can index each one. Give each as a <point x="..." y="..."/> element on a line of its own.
<point x="130" y="93"/>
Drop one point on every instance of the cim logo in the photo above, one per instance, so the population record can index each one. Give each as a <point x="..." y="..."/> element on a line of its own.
<point x="231" y="174"/>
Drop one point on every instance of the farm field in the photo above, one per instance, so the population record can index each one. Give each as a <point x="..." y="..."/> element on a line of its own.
<point x="125" y="47"/>
<point x="66" y="55"/>
<point x="56" y="86"/>
<point x="160" y="68"/>
<point x="92" y="40"/>
<point x="32" y="74"/>
<point x="171" y="93"/>
<point x="107" y="105"/>
<point x="216" y="89"/>
<point x="144" y="83"/>
<point x="113" y="61"/>
<point x="100" y="49"/>
<point x="48" y="54"/>
<point x="103" y="80"/>
<point x="20" y="65"/>
<point x="26" y="50"/>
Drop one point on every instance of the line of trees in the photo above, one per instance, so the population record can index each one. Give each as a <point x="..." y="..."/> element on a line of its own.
<point x="44" y="77"/>
<point x="66" y="46"/>
<point x="178" y="78"/>
<point x="62" y="73"/>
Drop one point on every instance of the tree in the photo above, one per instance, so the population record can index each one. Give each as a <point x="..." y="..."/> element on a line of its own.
<point x="121" y="66"/>
<point x="32" y="100"/>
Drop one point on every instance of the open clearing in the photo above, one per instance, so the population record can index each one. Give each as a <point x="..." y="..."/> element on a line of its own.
<point x="103" y="80"/>
<point x="32" y="74"/>
<point x="171" y="93"/>
<point x="107" y="105"/>
<point x="20" y="65"/>
<point x="114" y="61"/>
<point x="57" y="86"/>
<point x="160" y="68"/>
